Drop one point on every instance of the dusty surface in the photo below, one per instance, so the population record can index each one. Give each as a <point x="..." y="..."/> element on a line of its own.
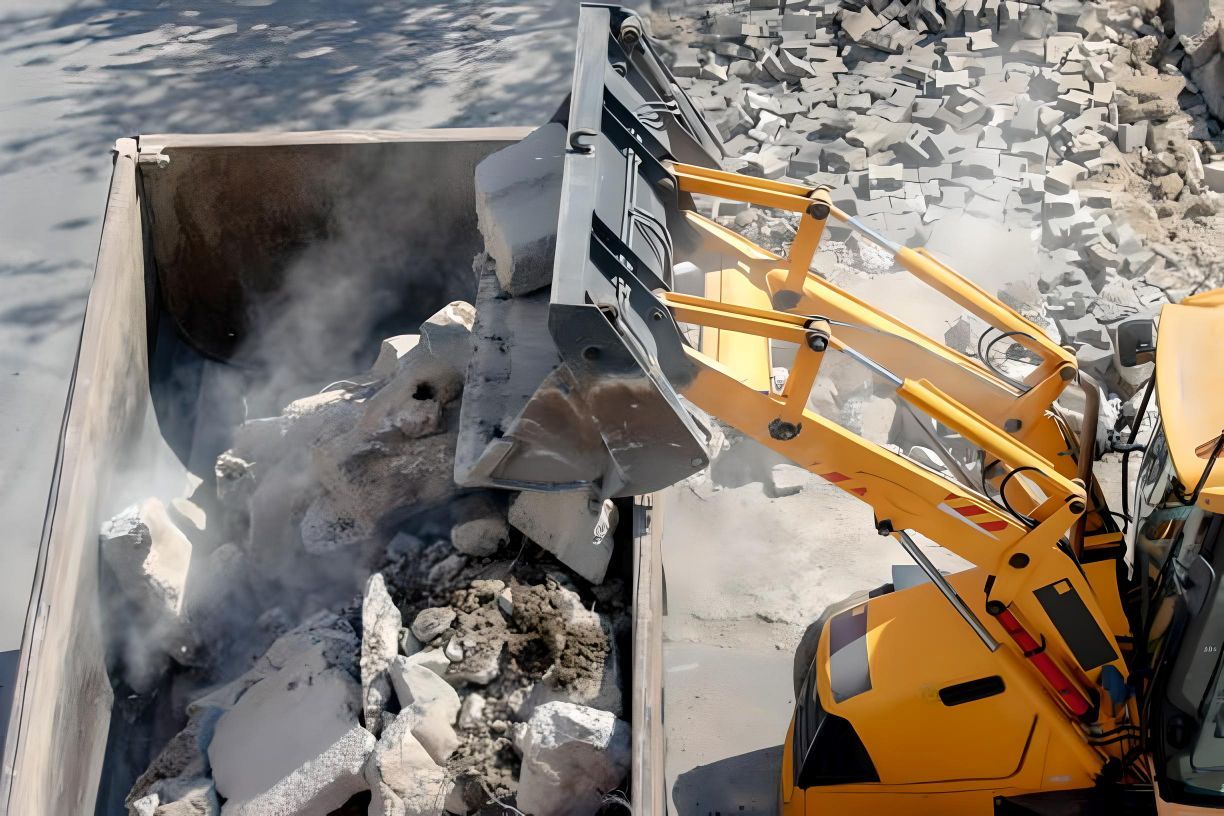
<point x="725" y="758"/>
<point x="745" y="574"/>
<point x="726" y="552"/>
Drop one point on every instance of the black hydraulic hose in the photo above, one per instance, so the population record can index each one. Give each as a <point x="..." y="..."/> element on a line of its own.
<point x="985" y="356"/>
<point x="1027" y="521"/>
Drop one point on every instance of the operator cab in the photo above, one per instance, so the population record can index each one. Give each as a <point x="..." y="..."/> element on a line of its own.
<point x="1178" y="541"/>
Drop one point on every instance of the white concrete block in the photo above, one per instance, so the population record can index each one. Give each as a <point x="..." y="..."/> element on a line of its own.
<point x="518" y="197"/>
<point x="572" y="525"/>
<point x="572" y="755"/>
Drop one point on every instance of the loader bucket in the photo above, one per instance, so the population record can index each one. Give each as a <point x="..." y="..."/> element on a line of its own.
<point x="590" y="401"/>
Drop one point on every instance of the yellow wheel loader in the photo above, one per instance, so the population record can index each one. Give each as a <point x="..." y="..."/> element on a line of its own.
<point x="1069" y="669"/>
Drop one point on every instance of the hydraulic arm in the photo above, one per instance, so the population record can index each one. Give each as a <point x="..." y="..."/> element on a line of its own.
<point x="1038" y="603"/>
<point x="1004" y="679"/>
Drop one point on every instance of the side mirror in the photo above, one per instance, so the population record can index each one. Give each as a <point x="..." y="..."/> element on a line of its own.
<point x="1136" y="339"/>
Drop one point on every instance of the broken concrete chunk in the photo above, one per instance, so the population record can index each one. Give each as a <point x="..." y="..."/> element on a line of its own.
<point x="1062" y="177"/>
<point x="291" y="743"/>
<point x="453" y="651"/>
<point x="307" y="419"/>
<point x="472" y="710"/>
<point x="177" y="771"/>
<point x="369" y="477"/>
<point x="518" y="197"/>
<point x="149" y="557"/>
<point x="321" y="785"/>
<point x="839" y="156"/>
<point x="857" y="24"/>
<point x="572" y="525"/>
<point x="329" y="527"/>
<point x="392" y="351"/>
<point x="190" y="797"/>
<point x="380" y="628"/>
<point x="404" y="779"/>
<point x="432" y="659"/>
<point x="430" y="704"/>
<point x="480" y="527"/>
<point x="1132" y="136"/>
<point x="572" y="756"/>
<point x="235" y="478"/>
<point x="323" y="640"/>
<point x="431" y="623"/>
<point x="417" y="686"/>
<point x="429" y="378"/>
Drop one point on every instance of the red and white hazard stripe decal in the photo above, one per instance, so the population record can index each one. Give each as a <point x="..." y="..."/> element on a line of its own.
<point x="973" y="514"/>
<point x="845" y="482"/>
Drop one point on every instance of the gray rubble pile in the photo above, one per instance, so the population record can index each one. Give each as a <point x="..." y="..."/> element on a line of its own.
<point x="430" y="633"/>
<point x="1069" y="130"/>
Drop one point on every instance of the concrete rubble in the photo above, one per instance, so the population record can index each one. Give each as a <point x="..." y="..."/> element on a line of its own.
<point x="433" y="620"/>
<point x="517" y="198"/>
<point x="1089" y="136"/>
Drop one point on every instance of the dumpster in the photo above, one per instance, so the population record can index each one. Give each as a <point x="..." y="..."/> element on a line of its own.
<point x="202" y="238"/>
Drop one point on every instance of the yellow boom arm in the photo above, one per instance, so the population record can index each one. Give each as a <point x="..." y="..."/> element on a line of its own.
<point x="1022" y="550"/>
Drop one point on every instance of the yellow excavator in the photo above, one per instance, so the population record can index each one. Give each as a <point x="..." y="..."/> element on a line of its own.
<point x="1073" y="668"/>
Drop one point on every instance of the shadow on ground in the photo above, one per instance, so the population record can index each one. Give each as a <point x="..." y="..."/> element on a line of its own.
<point x="746" y="784"/>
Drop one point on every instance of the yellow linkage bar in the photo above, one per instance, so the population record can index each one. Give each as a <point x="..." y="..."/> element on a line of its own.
<point x="814" y="204"/>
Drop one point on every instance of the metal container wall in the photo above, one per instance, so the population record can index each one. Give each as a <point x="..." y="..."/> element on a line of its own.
<point x="198" y="231"/>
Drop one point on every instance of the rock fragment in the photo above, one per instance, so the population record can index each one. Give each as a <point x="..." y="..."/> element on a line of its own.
<point x="518" y="195"/>
<point x="404" y="779"/>
<point x="572" y="756"/>
<point x="429" y="624"/>
<point x="149" y="556"/>
<point x="399" y="458"/>
<point x="480" y="527"/>
<point x="431" y="706"/>
<point x="572" y="525"/>
<point x="380" y="629"/>
<point x="291" y="744"/>
<point x="471" y="710"/>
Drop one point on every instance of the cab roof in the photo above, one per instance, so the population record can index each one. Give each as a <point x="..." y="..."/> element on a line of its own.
<point x="1189" y="386"/>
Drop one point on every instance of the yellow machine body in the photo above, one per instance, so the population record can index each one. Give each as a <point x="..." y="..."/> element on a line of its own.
<point x="948" y="707"/>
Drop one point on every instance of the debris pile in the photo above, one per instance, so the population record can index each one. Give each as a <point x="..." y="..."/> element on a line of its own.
<point x="351" y="632"/>
<point x="1068" y="130"/>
